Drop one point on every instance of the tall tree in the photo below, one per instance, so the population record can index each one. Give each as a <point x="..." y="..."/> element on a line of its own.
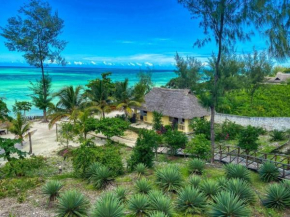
<point x="3" y="110"/>
<point x="226" y="21"/>
<point x="22" y="106"/>
<point x="34" y="31"/>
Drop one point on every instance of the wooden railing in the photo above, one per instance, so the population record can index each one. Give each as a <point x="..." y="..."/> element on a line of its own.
<point x="252" y="160"/>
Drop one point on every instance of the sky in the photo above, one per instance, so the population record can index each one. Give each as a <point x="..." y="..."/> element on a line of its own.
<point x="122" y="33"/>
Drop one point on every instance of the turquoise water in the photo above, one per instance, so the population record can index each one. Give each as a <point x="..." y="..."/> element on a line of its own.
<point x="14" y="81"/>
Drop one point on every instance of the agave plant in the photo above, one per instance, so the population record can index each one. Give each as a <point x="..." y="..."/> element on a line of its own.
<point x="237" y="171"/>
<point x="72" y="204"/>
<point x="269" y="172"/>
<point x="210" y="188"/>
<point x="194" y="181"/>
<point x="140" y="168"/>
<point x="121" y="193"/>
<point x="228" y="204"/>
<point x="241" y="189"/>
<point x="222" y="182"/>
<point x="139" y="205"/>
<point x="196" y="166"/>
<point x="169" y="178"/>
<point x="91" y="170"/>
<point x="157" y="214"/>
<point x="143" y="186"/>
<point x="277" y="197"/>
<point x="52" y="189"/>
<point x="108" y="206"/>
<point x="159" y="202"/>
<point x="286" y="184"/>
<point x="101" y="177"/>
<point x="191" y="201"/>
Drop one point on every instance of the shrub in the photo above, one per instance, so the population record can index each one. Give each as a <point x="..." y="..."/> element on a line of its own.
<point x="143" y="150"/>
<point x="169" y="178"/>
<point x="210" y="188"/>
<point x="72" y="203"/>
<point x="227" y="204"/>
<point x="159" y="202"/>
<point x="143" y="186"/>
<point x="111" y="127"/>
<point x="222" y="182"/>
<point x="196" y="166"/>
<point x="241" y="189"/>
<point x="91" y="170"/>
<point x="237" y="171"/>
<point x="175" y="140"/>
<point x="194" y="181"/>
<point x="230" y="130"/>
<point x="191" y="201"/>
<point x="101" y="177"/>
<point x="108" y="206"/>
<point x="201" y="126"/>
<point x="109" y="155"/>
<point x="139" y="205"/>
<point x="157" y="214"/>
<point x="269" y="172"/>
<point x="157" y="120"/>
<point x="278" y="197"/>
<point x="199" y="146"/>
<point x="277" y="135"/>
<point x="248" y="139"/>
<point x="121" y="193"/>
<point x="140" y="168"/>
<point x="52" y="189"/>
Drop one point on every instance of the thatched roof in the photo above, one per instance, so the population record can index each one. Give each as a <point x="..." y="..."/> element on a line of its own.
<point x="179" y="103"/>
<point x="280" y="77"/>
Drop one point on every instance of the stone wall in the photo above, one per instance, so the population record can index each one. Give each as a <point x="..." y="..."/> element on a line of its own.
<point x="278" y="123"/>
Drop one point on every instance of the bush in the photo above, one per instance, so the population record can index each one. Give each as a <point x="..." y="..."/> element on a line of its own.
<point x="101" y="177"/>
<point x="157" y="214"/>
<point x="199" y="146"/>
<point x="138" y="205"/>
<point x="52" y="189"/>
<point x="227" y="204"/>
<point x="194" y="181"/>
<point x="169" y="178"/>
<point x="241" y="189"/>
<point x="112" y="127"/>
<point x="248" y="139"/>
<point x="230" y="130"/>
<point x="91" y="170"/>
<point x="108" y="206"/>
<point x="140" y="168"/>
<point x="237" y="171"/>
<point x="175" y="140"/>
<point x="201" y="126"/>
<point x="108" y="155"/>
<point x="269" y="172"/>
<point x="191" y="201"/>
<point x="278" y="197"/>
<point x="143" y="186"/>
<point x="143" y="150"/>
<point x="72" y="203"/>
<point x="222" y="182"/>
<point x="277" y="135"/>
<point x="196" y="166"/>
<point x="121" y="193"/>
<point x="210" y="188"/>
<point x="160" y="203"/>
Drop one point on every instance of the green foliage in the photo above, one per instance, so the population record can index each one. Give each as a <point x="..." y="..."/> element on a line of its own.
<point x="269" y="172"/>
<point x="143" y="186"/>
<point x="121" y="193"/>
<point x="157" y="214"/>
<point x="175" y="139"/>
<point x="237" y="171"/>
<point x="101" y="177"/>
<point x="66" y="133"/>
<point x="199" y="146"/>
<point x="194" y="181"/>
<point x="7" y="146"/>
<point x="157" y="123"/>
<point x="196" y="166"/>
<point x="3" y="110"/>
<point x="160" y="203"/>
<point x="72" y="203"/>
<point x="138" y="205"/>
<point x="19" y="127"/>
<point x="228" y="204"/>
<point x="222" y="182"/>
<point x="241" y="189"/>
<point x="277" y="135"/>
<point x="248" y="139"/>
<point x="277" y="197"/>
<point x="112" y="127"/>
<point x="143" y="151"/>
<point x="210" y="188"/>
<point x="230" y="130"/>
<point x="108" y="206"/>
<point x="201" y="126"/>
<point x="52" y="188"/>
<point x="169" y="178"/>
<point x="107" y="155"/>
<point x="191" y="201"/>
<point x="22" y="106"/>
<point x="141" y="168"/>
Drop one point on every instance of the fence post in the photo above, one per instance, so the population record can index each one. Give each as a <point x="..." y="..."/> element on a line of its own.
<point x="283" y="170"/>
<point x="30" y="143"/>
<point x="238" y="155"/>
<point x="220" y="147"/>
<point x="56" y="132"/>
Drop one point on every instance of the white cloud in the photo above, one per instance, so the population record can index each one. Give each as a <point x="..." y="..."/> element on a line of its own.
<point x="69" y="63"/>
<point x="138" y="64"/>
<point x="78" y="63"/>
<point x="92" y="62"/>
<point x="149" y="64"/>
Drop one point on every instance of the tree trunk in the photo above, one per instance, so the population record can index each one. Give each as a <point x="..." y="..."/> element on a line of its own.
<point x="103" y="114"/>
<point x="44" y="89"/>
<point x="30" y="143"/>
<point x="212" y="135"/>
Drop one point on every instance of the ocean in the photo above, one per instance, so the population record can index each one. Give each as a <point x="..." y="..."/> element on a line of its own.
<point x="15" y="81"/>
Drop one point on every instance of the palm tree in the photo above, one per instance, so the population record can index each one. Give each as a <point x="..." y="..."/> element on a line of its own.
<point x="19" y="127"/>
<point x="69" y="105"/>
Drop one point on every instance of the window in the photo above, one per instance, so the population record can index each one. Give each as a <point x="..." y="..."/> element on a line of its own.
<point x="144" y="113"/>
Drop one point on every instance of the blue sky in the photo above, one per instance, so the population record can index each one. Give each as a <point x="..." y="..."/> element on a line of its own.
<point x="128" y="33"/>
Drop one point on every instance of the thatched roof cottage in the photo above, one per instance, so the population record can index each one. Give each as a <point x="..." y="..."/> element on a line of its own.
<point x="176" y="105"/>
